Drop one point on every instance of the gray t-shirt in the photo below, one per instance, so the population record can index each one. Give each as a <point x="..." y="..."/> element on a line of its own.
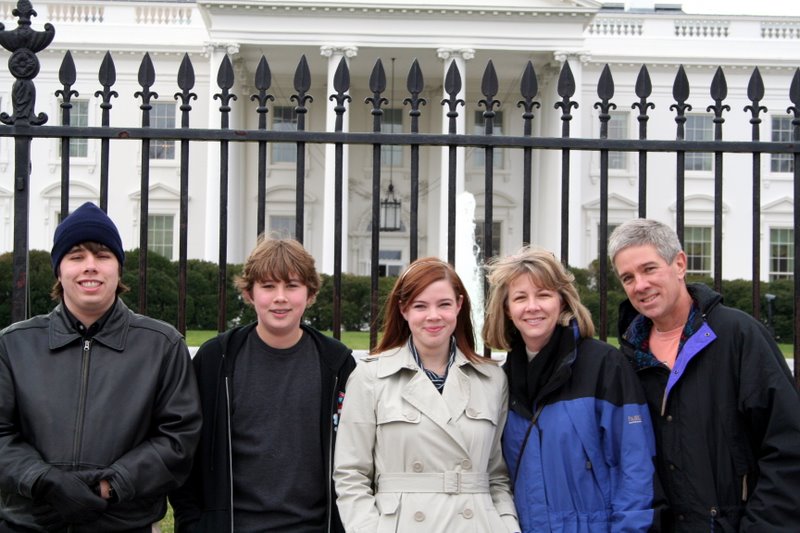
<point x="279" y="478"/>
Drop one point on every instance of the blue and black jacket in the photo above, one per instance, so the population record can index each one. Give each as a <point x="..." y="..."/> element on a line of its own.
<point x="581" y="453"/>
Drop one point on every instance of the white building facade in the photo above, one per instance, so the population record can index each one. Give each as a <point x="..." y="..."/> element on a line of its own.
<point x="510" y="33"/>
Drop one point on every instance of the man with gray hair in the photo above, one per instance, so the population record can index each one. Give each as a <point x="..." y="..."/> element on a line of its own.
<point x="725" y="410"/>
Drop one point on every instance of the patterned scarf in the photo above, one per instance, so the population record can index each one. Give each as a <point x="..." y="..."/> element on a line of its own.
<point x="638" y="334"/>
<point x="436" y="379"/>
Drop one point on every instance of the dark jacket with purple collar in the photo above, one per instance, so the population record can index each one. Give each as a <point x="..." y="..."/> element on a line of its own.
<point x="726" y="418"/>
<point x="204" y="503"/>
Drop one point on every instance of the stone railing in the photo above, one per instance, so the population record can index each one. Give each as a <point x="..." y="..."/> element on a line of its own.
<point x="616" y="26"/>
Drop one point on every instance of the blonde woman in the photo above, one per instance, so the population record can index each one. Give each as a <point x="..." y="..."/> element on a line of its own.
<point x="578" y="441"/>
<point x="419" y="438"/>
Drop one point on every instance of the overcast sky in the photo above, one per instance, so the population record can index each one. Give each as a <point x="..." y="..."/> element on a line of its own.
<point x="736" y="7"/>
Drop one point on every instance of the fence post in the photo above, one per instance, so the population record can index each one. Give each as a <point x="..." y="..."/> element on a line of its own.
<point x="23" y="43"/>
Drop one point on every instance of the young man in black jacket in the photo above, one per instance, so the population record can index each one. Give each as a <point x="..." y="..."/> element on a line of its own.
<point x="271" y="394"/>
<point x="724" y="406"/>
<point x="99" y="412"/>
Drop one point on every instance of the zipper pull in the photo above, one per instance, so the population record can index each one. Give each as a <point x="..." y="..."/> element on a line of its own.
<point x="86" y="344"/>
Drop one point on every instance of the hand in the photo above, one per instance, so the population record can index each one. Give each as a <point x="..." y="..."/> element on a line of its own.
<point x="69" y="497"/>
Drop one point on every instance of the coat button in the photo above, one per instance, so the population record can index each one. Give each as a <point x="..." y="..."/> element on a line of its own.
<point x="419" y="516"/>
<point x="467" y="513"/>
<point x="672" y="467"/>
<point x="588" y="465"/>
<point x="416" y="466"/>
<point x="466" y="464"/>
<point x="669" y="418"/>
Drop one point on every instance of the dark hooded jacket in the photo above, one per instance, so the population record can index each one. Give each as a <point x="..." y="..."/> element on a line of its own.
<point x="727" y="420"/>
<point x="205" y="502"/>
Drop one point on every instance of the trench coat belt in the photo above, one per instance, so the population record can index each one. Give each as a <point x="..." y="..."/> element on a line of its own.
<point x="450" y="482"/>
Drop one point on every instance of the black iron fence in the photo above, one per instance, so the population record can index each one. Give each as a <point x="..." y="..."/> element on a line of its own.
<point x="24" y="124"/>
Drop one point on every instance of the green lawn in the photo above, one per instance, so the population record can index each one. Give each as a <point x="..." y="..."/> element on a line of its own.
<point x="359" y="340"/>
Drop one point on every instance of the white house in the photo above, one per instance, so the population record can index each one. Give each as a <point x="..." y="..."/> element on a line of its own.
<point x="469" y="32"/>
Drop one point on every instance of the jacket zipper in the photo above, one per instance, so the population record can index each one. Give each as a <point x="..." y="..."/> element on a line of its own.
<point x="230" y="450"/>
<point x="334" y="410"/>
<point x="76" y="444"/>
<point x="81" y="402"/>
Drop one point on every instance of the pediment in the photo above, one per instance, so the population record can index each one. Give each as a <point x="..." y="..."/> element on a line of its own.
<point x="158" y="192"/>
<point x="616" y="202"/>
<point x="781" y="206"/>
<point x="698" y="203"/>
<point x="77" y="191"/>
<point x="287" y="194"/>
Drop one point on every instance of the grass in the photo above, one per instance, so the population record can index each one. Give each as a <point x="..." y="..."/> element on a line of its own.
<point x="359" y="340"/>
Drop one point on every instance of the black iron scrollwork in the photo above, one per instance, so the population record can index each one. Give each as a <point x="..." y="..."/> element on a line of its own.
<point x="23" y="43"/>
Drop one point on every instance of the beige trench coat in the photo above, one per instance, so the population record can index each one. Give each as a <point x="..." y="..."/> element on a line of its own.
<point x="409" y="459"/>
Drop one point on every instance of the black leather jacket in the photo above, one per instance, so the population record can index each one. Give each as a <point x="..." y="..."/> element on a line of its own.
<point x="124" y="402"/>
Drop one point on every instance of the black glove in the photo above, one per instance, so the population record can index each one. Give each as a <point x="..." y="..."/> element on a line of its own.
<point x="70" y="497"/>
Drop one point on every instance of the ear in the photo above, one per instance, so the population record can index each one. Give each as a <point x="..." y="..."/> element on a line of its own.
<point x="459" y="303"/>
<point x="680" y="263"/>
<point x="247" y="294"/>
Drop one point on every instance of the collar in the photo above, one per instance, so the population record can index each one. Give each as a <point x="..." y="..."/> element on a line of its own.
<point x="113" y="333"/>
<point x="398" y="359"/>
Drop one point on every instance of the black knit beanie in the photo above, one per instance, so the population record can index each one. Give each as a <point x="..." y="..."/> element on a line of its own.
<point x="88" y="223"/>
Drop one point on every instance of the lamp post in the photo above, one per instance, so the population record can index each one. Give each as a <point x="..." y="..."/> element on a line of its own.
<point x="390" y="210"/>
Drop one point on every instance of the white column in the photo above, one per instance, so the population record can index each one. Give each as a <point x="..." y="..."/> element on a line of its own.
<point x="216" y="51"/>
<point x="438" y="239"/>
<point x="334" y="55"/>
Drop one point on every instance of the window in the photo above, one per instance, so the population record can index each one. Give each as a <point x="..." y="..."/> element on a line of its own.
<point x="698" y="248"/>
<point x="160" y="234"/>
<point x="282" y="226"/>
<point x="496" y="228"/>
<point x="699" y="128"/>
<point x="162" y="116"/>
<point x="478" y="154"/>
<point x="781" y="131"/>
<point x="781" y="253"/>
<point x="392" y="156"/>
<point x="618" y="129"/>
<point x="611" y="228"/>
<point x="283" y="119"/>
<point x="390" y="263"/>
<point x="79" y="116"/>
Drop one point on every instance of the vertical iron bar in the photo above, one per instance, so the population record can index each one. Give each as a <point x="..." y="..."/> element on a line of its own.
<point x="605" y="90"/>
<point x="377" y="85"/>
<point x="341" y="84"/>
<point x="680" y="91"/>
<point x="644" y="89"/>
<point x="719" y="91"/>
<point x="67" y="76"/>
<point x="528" y="89"/>
<point x="755" y="92"/>
<point x="22" y="174"/>
<point x="566" y="89"/>
<point x="263" y="79"/>
<point x="794" y="96"/>
<point x="302" y="83"/>
<point x="23" y="43"/>
<point x="415" y="84"/>
<point x="186" y="81"/>
<point x="107" y="75"/>
<point x="147" y="78"/>
<point x="225" y="79"/>
<point x="452" y="86"/>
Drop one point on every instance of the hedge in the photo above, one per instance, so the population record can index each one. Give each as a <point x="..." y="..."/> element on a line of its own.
<point x="201" y="304"/>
